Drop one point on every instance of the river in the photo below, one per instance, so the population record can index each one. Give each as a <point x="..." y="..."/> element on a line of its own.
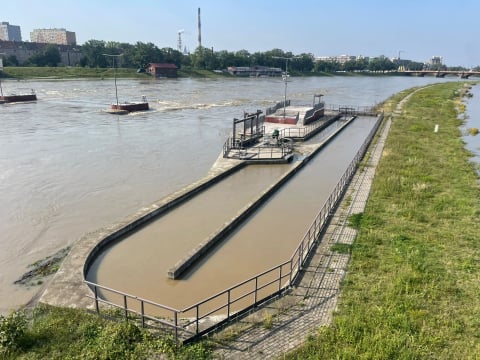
<point x="67" y="168"/>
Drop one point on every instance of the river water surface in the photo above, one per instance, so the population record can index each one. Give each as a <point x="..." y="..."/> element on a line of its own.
<point x="67" y="168"/>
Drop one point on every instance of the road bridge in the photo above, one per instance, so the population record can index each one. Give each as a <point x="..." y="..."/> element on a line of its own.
<point x="441" y="73"/>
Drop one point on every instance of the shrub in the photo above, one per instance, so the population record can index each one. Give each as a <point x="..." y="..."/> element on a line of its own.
<point x="12" y="332"/>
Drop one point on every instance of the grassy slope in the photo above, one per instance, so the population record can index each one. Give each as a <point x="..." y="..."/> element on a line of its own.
<point x="412" y="289"/>
<point x="94" y="73"/>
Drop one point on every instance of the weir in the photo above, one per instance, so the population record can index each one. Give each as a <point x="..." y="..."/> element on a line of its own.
<point x="155" y="247"/>
<point x="142" y="257"/>
<point x="229" y="303"/>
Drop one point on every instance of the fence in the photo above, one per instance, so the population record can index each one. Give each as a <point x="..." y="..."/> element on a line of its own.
<point x="244" y="296"/>
<point x="273" y="109"/>
<point x="354" y="110"/>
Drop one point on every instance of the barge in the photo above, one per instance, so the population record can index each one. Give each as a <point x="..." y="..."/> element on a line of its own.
<point x="127" y="107"/>
<point x="17" y="98"/>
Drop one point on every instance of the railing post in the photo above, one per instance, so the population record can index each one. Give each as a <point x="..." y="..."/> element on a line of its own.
<point x="300" y="260"/>
<point x="176" y="327"/>
<point x="280" y="279"/>
<point x="228" y="304"/>
<point x="142" y="309"/>
<point x="196" y="321"/>
<point x="96" y="299"/>
<point x="291" y="272"/>
<point x="255" y="292"/>
<point x="125" y="307"/>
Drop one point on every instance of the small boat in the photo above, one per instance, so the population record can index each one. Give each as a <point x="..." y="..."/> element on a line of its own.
<point x="17" y="98"/>
<point x="125" y="107"/>
<point x="13" y="98"/>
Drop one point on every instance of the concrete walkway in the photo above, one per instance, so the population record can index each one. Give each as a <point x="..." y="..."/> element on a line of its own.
<point x="285" y="323"/>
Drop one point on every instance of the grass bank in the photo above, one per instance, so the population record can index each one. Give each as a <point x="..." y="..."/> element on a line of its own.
<point x="412" y="288"/>
<point x="60" y="333"/>
<point x="21" y="72"/>
<point x="64" y="72"/>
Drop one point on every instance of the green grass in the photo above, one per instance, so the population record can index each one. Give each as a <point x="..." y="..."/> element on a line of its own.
<point x="68" y="73"/>
<point x="412" y="288"/>
<point x="63" y="72"/>
<point x="61" y="333"/>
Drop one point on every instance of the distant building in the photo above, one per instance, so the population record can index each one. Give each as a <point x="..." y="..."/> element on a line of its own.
<point x="22" y="51"/>
<point x="162" y="70"/>
<point x="341" y="59"/>
<point x="436" y="60"/>
<point x="53" y="36"/>
<point x="10" y="32"/>
<point x="254" y="71"/>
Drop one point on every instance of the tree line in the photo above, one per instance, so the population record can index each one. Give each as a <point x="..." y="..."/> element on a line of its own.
<point x="140" y="54"/>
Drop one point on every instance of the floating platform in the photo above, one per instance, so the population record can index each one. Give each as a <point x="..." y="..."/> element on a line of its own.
<point x="18" y="98"/>
<point x="284" y="113"/>
<point x="127" y="107"/>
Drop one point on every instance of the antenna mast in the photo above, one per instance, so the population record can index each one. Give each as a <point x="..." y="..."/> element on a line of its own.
<point x="179" y="45"/>
<point x="199" y="30"/>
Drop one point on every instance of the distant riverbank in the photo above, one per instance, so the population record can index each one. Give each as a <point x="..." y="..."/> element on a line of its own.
<point x="63" y="72"/>
<point x="21" y="72"/>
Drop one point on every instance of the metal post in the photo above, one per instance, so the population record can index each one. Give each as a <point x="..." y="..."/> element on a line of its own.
<point x="114" y="73"/>
<point x="143" y="313"/>
<point x="280" y="279"/>
<point x="96" y="299"/>
<point x="176" y="327"/>
<point x="196" y="322"/>
<point x="228" y="304"/>
<point x="285" y="78"/>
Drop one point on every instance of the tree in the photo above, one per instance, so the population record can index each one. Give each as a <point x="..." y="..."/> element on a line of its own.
<point x="50" y="56"/>
<point x="93" y="51"/>
<point x="11" y="61"/>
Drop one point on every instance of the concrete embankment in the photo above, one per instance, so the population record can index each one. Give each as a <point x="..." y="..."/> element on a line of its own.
<point x="67" y="288"/>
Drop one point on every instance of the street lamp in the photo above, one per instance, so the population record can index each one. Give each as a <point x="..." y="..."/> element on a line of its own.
<point x="285" y="77"/>
<point x="114" y="72"/>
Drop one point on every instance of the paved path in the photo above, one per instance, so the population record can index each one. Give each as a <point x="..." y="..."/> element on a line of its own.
<point x="284" y="324"/>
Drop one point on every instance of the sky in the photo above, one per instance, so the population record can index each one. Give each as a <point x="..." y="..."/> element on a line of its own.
<point x="415" y="30"/>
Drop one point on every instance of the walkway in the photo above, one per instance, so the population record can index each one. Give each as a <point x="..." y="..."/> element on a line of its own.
<point x="284" y="324"/>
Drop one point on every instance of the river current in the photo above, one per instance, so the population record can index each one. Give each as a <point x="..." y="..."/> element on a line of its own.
<point x="68" y="168"/>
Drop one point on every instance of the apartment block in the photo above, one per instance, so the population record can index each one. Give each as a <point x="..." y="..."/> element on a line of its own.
<point x="53" y="36"/>
<point x="10" y="32"/>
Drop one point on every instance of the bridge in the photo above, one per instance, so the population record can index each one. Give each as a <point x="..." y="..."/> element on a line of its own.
<point x="441" y="73"/>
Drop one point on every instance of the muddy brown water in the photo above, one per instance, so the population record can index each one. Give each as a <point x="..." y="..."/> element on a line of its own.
<point x="68" y="169"/>
<point x="139" y="264"/>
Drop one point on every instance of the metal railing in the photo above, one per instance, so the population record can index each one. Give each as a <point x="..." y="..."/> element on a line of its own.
<point x="355" y="110"/>
<point x="245" y="295"/>
<point x="273" y="109"/>
<point x="130" y="311"/>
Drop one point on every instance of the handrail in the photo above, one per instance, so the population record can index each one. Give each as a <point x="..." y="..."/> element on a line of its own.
<point x="294" y="267"/>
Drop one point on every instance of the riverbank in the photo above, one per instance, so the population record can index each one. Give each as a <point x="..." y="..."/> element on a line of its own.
<point x="65" y="72"/>
<point x="58" y="73"/>
<point x="413" y="281"/>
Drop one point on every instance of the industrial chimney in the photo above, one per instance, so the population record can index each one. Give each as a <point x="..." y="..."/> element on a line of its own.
<point x="199" y="30"/>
